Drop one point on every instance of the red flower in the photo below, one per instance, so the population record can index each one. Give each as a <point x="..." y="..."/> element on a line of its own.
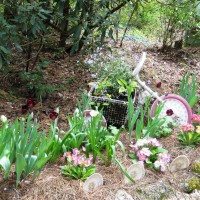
<point x="169" y="112"/>
<point x="158" y="85"/>
<point x="30" y="102"/>
<point x="24" y="109"/>
<point x="53" y="115"/>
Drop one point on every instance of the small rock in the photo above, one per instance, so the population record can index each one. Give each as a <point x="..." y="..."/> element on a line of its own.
<point x="136" y="171"/>
<point x="155" y="191"/>
<point x="94" y="181"/>
<point x="179" y="163"/>
<point x="60" y="95"/>
<point x="123" y="195"/>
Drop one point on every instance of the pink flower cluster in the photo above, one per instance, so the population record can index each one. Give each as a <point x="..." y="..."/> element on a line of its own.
<point x="195" y="118"/>
<point x="187" y="128"/>
<point x="145" y="142"/>
<point x="77" y="159"/>
<point x="163" y="160"/>
<point x="144" y="148"/>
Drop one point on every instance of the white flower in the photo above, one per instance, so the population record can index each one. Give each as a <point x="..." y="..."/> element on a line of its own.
<point x="31" y="115"/>
<point x="22" y="119"/>
<point x="94" y="113"/>
<point x="3" y="118"/>
<point x="57" y="110"/>
<point x="76" y="112"/>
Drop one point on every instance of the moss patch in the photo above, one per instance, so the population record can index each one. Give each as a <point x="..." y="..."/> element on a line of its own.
<point x="193" y="183"/>
<point x="196" y="167"/>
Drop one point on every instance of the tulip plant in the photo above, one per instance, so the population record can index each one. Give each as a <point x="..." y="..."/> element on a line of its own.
<point x="22" y="145"/>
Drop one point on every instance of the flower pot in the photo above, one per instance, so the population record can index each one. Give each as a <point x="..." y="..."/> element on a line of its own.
<point x="114" y="110"/>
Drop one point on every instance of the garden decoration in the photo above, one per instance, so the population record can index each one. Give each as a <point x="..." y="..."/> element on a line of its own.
<point x="136" y="171"/>
<point x="173" y="105"/>
<point x="179" y="163"/>
<point x="93" y="182"/>
<point x="116" y="111"/>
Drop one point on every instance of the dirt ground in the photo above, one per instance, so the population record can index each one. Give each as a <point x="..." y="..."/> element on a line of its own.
<point x="167" y="67"/>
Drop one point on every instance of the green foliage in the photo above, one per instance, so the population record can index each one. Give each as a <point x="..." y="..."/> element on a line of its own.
<point x="75" y="172"/>
<point x="28" y="150"/>
<point x="30" y="19"/>
<point x="112" y="73"/>
<point x="177" y="17"/>
<point x="189" y="138"/>
<point x="188" y="89"/>
<point x="165" y="129"/>
<point x="35" y="84"/>
<point x="146" y="127"/>
<point x="9" y="38"/>
<point x="91" y="134"/>
<point x="132" y="116"/>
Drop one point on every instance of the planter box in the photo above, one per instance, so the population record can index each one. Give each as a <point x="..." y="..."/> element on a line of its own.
<point x="115" y="111"/>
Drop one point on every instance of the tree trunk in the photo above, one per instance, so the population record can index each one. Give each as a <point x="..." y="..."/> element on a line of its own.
<point x="63" y="34"/>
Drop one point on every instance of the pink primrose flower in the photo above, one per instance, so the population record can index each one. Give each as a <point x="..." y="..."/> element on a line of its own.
<point x="160" y="165"/>
<point x="163" y="167"/>
<point x="164" y="157"/>
<point x="66" y="154"/>
<point x="74" y="157"/>
<point x="75" y="151"/>
<point x="154" y="142"/>
<point x="141" y="142"/>
<point x="196" y="118"/>
<point x="157" y="164"/>
<point x="145" y="151"/>
<point x="88" y="162"/>
<point x="141" y="157"/>
<point x="80" y="160"/>
<point x="187" y="127"/>
<point x="75" y="162"/>
<point x="69" y="158"/>
<point x="134" y="147"/>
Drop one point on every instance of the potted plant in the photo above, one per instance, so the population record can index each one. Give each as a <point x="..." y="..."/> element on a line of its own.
<point x="110" y="92"/>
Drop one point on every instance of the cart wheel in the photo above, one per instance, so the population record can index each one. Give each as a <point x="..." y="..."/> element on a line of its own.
<point x="174" y="106"/>
<point x="87" y="115"/>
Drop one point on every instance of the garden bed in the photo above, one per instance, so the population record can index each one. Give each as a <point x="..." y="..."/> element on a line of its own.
<point x="51" y="185"/>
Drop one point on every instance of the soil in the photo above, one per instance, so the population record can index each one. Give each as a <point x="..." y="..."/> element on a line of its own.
<point x="73" y="75"/>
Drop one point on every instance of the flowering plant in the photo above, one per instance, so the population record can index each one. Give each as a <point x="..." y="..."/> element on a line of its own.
<point x="78" y="166"/>
<point x="190" y="133"/>
<point x="151" y="153"/>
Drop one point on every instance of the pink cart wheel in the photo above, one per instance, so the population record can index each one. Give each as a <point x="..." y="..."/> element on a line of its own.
<point x="87" y="115"/>
<point x="174" y="106"/>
